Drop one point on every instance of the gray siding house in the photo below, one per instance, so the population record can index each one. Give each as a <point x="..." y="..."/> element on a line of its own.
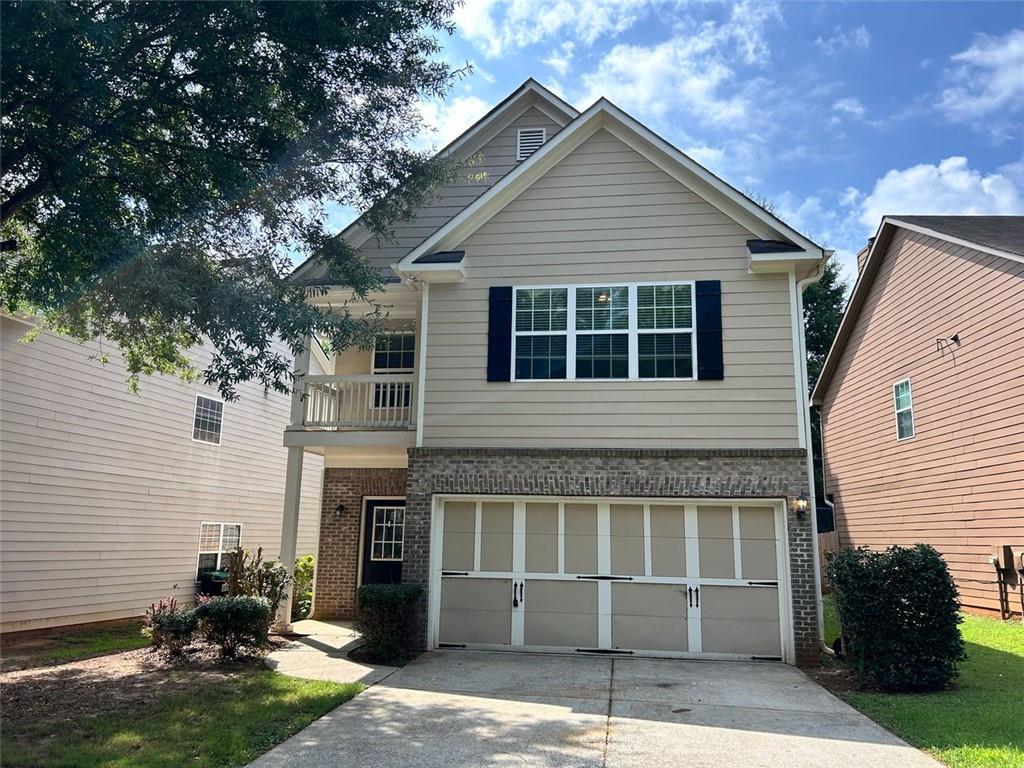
<point x="585" y="429"/>
<point x="109" y="500"/>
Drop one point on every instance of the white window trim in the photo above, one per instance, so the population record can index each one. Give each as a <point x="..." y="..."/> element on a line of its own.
<point x="373" y="534"/>
<point x="897" y="411"/>
<point x="195" y="409"/>
<point x="633" y="331"/>
<point x="397" y="371"/>
<point x="519" y="140"/>
<point x="220" y="542"/>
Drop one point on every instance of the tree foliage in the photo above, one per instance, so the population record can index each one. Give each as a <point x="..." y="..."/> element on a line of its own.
<point x="164" y="163"/>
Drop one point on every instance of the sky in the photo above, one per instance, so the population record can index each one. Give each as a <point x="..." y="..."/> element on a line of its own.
<point x="836" y="113"/>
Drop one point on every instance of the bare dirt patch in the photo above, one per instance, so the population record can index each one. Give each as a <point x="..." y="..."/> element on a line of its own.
<point x="106" y="684"/>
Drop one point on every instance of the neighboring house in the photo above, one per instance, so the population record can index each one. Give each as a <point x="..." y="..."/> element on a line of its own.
<point x="922" y="397"/>
<point x="109" y="500"/>
<point x="587" y="428"/>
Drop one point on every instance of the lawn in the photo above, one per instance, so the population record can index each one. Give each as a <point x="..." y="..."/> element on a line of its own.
<point x="226" y="721"/>
<point x="977" y="724"/>
<point x="71" y="644"/>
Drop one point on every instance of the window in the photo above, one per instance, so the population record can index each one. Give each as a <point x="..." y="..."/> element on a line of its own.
<point x="639" y="331"/>
<point x="394" y="353"/>
<point x="540" y="326"/>
<point x="388" y="533"/>
<point x="902" y="401"/>
<point x="216" y="543"/>
<point x="529" y="140"/>
<point x="207" y="420"/>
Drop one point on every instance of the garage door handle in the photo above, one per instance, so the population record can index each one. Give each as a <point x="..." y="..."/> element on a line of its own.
<point x="522" y="593"/>
<point x="696" y="597"/>
<point x="689" y="597"/>
<point x="515" y="600"/>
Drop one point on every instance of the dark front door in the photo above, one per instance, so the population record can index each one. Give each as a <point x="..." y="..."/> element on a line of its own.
<point x="383" y="541"/>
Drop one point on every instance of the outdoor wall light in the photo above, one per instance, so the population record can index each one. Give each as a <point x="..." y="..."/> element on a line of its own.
<point x="339" y="510"/>
<point x="801" y="507"/>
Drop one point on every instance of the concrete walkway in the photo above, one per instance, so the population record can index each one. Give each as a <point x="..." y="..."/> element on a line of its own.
<point x="322" y="654"/>
<point x="468" y="709"/>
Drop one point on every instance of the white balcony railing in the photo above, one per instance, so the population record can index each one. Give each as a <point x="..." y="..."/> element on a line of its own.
<point x="360" y="402"/>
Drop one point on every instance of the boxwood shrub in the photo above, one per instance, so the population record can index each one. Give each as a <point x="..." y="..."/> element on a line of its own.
<point x="386" y="616"/>
<point x="235" y="624"/>
<point x="900" y="617"/>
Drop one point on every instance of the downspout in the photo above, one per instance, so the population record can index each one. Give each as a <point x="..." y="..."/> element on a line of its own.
<point x="819" y="270"/>
<point x="832" y="507"/>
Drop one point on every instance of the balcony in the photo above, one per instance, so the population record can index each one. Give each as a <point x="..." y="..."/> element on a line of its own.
<point x="361" y="410"/>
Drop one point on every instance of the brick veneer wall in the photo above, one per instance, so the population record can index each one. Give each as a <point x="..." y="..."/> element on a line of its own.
<point x="337" y="566"/>
<point x="613" y="472"/>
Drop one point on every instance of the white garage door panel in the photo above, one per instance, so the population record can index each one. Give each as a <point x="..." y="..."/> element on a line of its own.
<point x="740" y="620"/>
<point x="476" y="611"/>
<point x="649" y="617"/>
<point x="658" y="577"/>
<point x="560" y="614"/>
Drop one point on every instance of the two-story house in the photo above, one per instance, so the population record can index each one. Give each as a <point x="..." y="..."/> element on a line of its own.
<point x="111" y="500"/>
<point x="922" y="400"/>
<point x="587" y="430"/>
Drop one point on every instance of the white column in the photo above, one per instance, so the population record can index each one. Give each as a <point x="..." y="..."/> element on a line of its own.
<point x="293" y="487"/>
<point x="290" y="532"/>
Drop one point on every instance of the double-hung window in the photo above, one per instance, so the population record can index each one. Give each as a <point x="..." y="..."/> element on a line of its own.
<point x="207" y="420"/>
<point x="216" y="543"/>
<point x="902" y="400"/>
<point x="394" y="354"/>
<point x="587" y="332"/>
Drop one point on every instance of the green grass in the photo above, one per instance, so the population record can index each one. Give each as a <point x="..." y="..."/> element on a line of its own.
<point x="222" y="723"/>
<point x="73" y="644"/>
<point x="978" y="724"/>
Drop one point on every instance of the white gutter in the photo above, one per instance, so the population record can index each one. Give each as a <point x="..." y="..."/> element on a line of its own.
<point x="800" y="286"/>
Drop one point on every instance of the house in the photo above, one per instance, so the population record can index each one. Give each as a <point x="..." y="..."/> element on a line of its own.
<point x="110" y="500"/>
<point x="585" y="429"/>
<point x="922" y="400"/>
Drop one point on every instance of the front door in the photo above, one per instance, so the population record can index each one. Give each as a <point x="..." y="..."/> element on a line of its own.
<point x="383" y="541"/>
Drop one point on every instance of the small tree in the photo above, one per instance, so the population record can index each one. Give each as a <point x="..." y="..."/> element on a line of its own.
<point x="249" y="575"/>
<point x="899" y="612"/>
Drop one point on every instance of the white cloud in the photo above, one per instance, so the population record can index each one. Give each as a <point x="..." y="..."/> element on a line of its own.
<point x="445" y="120"/>
<point x="850" y="106"/>
<point x="987" y="79"/>
<point x="560" y="59"/>
<point x="951" y="188"/>
<point x="844" y="40"/>
<point x="495" y="27"/>
<point x="690" y="71"/>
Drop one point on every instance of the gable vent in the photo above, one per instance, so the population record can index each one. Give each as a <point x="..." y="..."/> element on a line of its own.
<point x="529" y="140"/>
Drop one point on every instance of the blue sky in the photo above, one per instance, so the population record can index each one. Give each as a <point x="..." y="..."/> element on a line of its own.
<point x="837" y="112"/>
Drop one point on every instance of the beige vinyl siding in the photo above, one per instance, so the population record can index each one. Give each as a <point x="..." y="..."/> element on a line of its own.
<point x="958" y="484"/>
<point x="605" y="213"/>
<point x="496" y="158"/>
<point x="103" y="491"/>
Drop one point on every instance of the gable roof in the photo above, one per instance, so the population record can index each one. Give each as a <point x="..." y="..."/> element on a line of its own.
<point x="997" y="235"/>
<point x="529" y="94"/>
<point x="604" y="114"/>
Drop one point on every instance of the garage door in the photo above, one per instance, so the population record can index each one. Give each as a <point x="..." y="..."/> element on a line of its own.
<point x="658" y="578"/>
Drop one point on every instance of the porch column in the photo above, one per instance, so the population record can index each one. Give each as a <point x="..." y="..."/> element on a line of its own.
<point x="290" y="532"/>
<point x="293" y="489"/>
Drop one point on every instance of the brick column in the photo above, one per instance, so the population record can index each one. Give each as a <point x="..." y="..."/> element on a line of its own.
<point x="337" y="566"/>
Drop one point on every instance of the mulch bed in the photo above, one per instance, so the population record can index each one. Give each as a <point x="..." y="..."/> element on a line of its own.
<point x="105" y="684"/>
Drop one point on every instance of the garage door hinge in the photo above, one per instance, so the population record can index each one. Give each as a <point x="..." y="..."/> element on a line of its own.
<point x="451" y="645"/>
<point x="604" y="650"/>
<point x="455" y="573"/>
<point x="607" y="578"/>
<point x="766" y="658"/>
<point x="762" y="583"/>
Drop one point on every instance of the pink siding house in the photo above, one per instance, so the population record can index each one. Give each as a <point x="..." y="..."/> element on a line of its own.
<point x="922" y="400"/>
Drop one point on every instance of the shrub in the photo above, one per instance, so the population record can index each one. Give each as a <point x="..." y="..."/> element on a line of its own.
<point x="235" y="624"/>
<point x="169" y="629"/>
<point x="302" y="587"/>
<point x="899" y="614"/>
<point x="249" y="575"/>
<point x="386" y="618"/>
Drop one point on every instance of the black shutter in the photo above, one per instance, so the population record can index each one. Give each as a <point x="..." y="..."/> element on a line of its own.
<point x="499" y="334"/>
<point x="709" y="330"/>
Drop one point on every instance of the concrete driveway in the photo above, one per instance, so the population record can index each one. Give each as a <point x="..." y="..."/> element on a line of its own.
<point x="468" y="709"/>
